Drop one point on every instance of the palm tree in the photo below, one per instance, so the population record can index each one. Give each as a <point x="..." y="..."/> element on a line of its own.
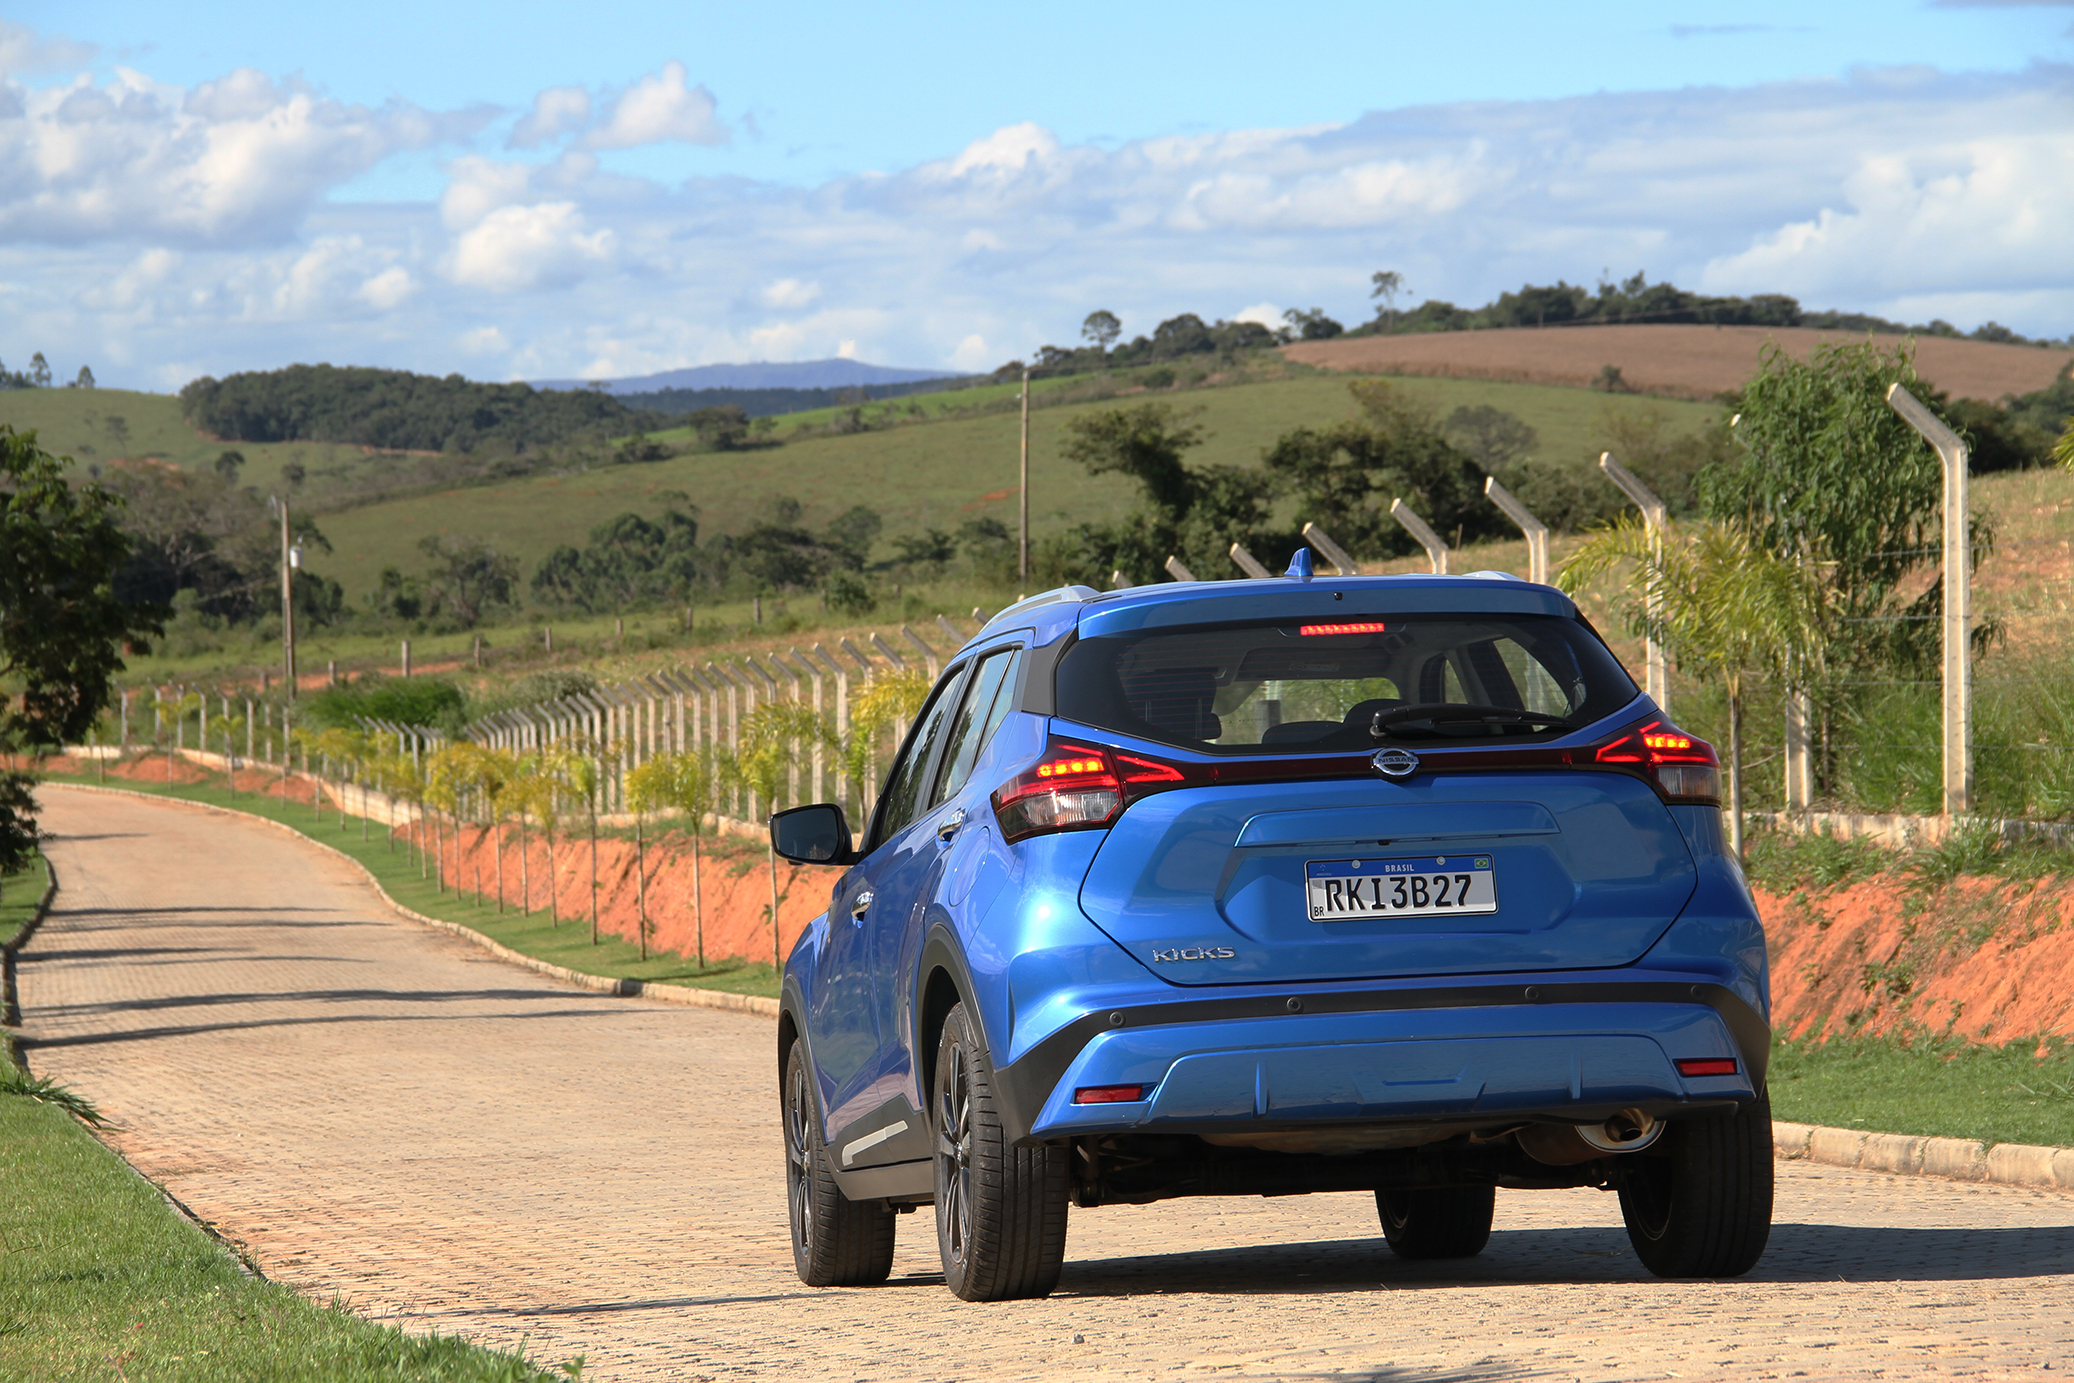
<point x="1720" y="604"/>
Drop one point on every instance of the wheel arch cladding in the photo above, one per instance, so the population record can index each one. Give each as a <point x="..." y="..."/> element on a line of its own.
<point x="940" y="993"/>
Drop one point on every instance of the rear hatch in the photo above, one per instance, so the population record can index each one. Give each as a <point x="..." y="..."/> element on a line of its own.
<point x="1271" y="848"/>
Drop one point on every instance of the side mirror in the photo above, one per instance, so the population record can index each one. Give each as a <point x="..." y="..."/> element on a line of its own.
<point x="819" y="834"/>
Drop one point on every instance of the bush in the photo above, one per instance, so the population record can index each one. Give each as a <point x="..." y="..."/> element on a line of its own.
<point x="405" y="700"/>
<point x="848" y="595"/>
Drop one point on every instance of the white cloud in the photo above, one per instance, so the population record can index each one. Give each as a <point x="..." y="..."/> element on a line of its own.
<point x="661" y="108"/>
<point x="557" y="111"/>
<point x="1908" y="193"/>
<point x="389" y="289"/>
<point x="847" y="350"/>
<point x="239" y="160"/>
<point x="547" y="245"/>
<point x="24" y="50"/>
<point x="972" y="355"/>
<point x="790" y="293"/>
<point x="1267" y="314"/>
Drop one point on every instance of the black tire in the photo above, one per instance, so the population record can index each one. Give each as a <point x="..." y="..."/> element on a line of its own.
<point x="1699" y="1204"/>
<point x="1437" y="1222"/>
<point x="1000" y="1210"/>
<point x="836" y="1242"/>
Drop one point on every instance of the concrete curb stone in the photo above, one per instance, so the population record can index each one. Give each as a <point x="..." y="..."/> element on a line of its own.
<point x="1957" y="1159"/>
<point x="601" y="984"/>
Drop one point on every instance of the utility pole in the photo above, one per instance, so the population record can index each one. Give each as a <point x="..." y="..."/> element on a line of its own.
<point x="287" y="604"/>
<point x="1022" y="567"/>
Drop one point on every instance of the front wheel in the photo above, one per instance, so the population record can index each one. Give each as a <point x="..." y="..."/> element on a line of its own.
<point x="836" y="1242"/>
<point x="1000" y="1210"/>
<point x="1699" y="1204"/>
<point x="1437" y="1222"/>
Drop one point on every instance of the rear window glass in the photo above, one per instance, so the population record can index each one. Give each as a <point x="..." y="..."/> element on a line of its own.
<point x="1352" y="683"/>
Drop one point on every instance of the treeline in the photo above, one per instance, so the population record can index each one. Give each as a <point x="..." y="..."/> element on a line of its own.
<point x="38" y="376"/>
<point x="1636" y="300"/>
<point x="1178" y="338"/>
<point x="395" y="410"/>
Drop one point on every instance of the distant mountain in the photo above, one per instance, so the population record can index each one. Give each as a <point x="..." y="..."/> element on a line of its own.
<point x="795" y="374"/>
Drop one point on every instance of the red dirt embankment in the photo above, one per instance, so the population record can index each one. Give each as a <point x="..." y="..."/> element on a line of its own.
<point x="1978" y="958"/>
<point x="1692" y="362"/>
<point x="735" y="883"/>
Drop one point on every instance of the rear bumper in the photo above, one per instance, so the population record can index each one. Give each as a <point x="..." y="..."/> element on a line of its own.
<point x="1498" y="1056"/>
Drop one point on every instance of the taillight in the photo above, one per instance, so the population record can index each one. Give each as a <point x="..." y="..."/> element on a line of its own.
<point x="1683" y="767"/>
<point x="1075" y="786"/>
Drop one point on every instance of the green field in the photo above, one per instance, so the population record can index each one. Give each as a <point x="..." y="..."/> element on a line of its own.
<point x="924" y="474"/>
<point x="95" y="426"/>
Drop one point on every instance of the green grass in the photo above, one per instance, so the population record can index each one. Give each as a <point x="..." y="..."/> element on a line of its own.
<point x="19" y="894"/>
<point x="100" y="1279"/>
<point x="94" y="426"/>
<point x="535" y="934"/>
<point x="1945" y="1090"/>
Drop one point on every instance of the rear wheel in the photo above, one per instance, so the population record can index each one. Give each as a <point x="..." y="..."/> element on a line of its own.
<point x="1000" y="1210"/>
<point x="836" y="1242"/>
<point x="1699" y="1204"/>
<point x="1437" y="1222"/>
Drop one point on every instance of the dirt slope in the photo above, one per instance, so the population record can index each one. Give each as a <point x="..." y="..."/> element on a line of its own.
<point x="1674" y="361"/>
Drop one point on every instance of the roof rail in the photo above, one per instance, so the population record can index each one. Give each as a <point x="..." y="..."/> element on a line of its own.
<point x="1060" y="596"/>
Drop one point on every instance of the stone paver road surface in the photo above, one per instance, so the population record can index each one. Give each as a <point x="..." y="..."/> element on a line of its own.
<point x="378" y="1110"/>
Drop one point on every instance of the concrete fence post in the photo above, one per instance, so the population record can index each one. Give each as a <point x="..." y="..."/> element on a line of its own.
<point x="1536" y="531"/>
<point x="1958" y="598"/>
<point x="1119" y="582"/>
<point x="1321" y="543"/>
<point x="1249" y="564"/>
<point x="1657" y="677"/>
<point x="1178" y="570"/>
<point x="1410" y="522"/>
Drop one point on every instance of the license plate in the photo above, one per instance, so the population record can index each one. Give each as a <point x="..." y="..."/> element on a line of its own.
<point x="1435" y="885"/>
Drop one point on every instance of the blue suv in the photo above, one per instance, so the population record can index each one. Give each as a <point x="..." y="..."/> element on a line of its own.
<point x="1392" y="884"/>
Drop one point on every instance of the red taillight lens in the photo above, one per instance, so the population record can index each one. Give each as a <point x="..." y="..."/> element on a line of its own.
<point x="1707" y="1066"/>
<point x="1683" y="768"/>
<point x="1075" y="786"/>
<point x="1108" y="1094"/>
<point x="1356" y="627"/>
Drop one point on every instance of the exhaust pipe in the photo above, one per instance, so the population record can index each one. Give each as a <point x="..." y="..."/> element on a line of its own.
<point x="1566" y="1145"/>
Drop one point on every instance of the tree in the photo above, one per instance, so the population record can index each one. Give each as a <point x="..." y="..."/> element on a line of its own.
<point x="1101" y="329"/>
<point x="1346" y="474"/>
<point x="39" y="371"/>
<point x="1822" y="464"/>
<point x="228" y="465"/>
<point x="1312" y="325"/>
<point x="2063" y="450"/>
<point x="1720" y="603"/>
<point x="1492" y="437"/>
<point x="293" y="475"/>
<point x="62" y="628"/>
<point x="1386" y="284"/>
<point x="84" y="380"/>
<point x="1196" y="513"/>
<point x="468" y="577"/>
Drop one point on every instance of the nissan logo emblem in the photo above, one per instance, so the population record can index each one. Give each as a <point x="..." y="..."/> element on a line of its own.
<point x="1395" y="763"/>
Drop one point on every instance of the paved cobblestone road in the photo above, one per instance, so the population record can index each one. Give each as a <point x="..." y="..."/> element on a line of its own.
<point x="378" y="1110"/>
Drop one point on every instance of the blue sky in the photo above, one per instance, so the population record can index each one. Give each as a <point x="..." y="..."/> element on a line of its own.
<point x="520" y="191"/>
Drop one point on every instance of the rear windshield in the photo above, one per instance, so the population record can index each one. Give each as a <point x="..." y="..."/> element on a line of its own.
<point x="1354" y="683"/>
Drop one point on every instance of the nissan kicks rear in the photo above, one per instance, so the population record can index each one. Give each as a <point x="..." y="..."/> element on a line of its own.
<point x="1389" y="884"/>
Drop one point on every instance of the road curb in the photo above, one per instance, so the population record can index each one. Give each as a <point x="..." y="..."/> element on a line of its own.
<point x="10" y="1004"/>
<point x="1956" y="1159"/>
<point x="681" y="995"/>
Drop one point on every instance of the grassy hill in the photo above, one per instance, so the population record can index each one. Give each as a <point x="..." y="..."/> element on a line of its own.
<point x="935" y="474"/>
<point x="93" y="426"/>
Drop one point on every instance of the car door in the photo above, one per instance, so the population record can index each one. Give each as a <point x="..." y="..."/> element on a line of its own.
<point x="864" y="926"/>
